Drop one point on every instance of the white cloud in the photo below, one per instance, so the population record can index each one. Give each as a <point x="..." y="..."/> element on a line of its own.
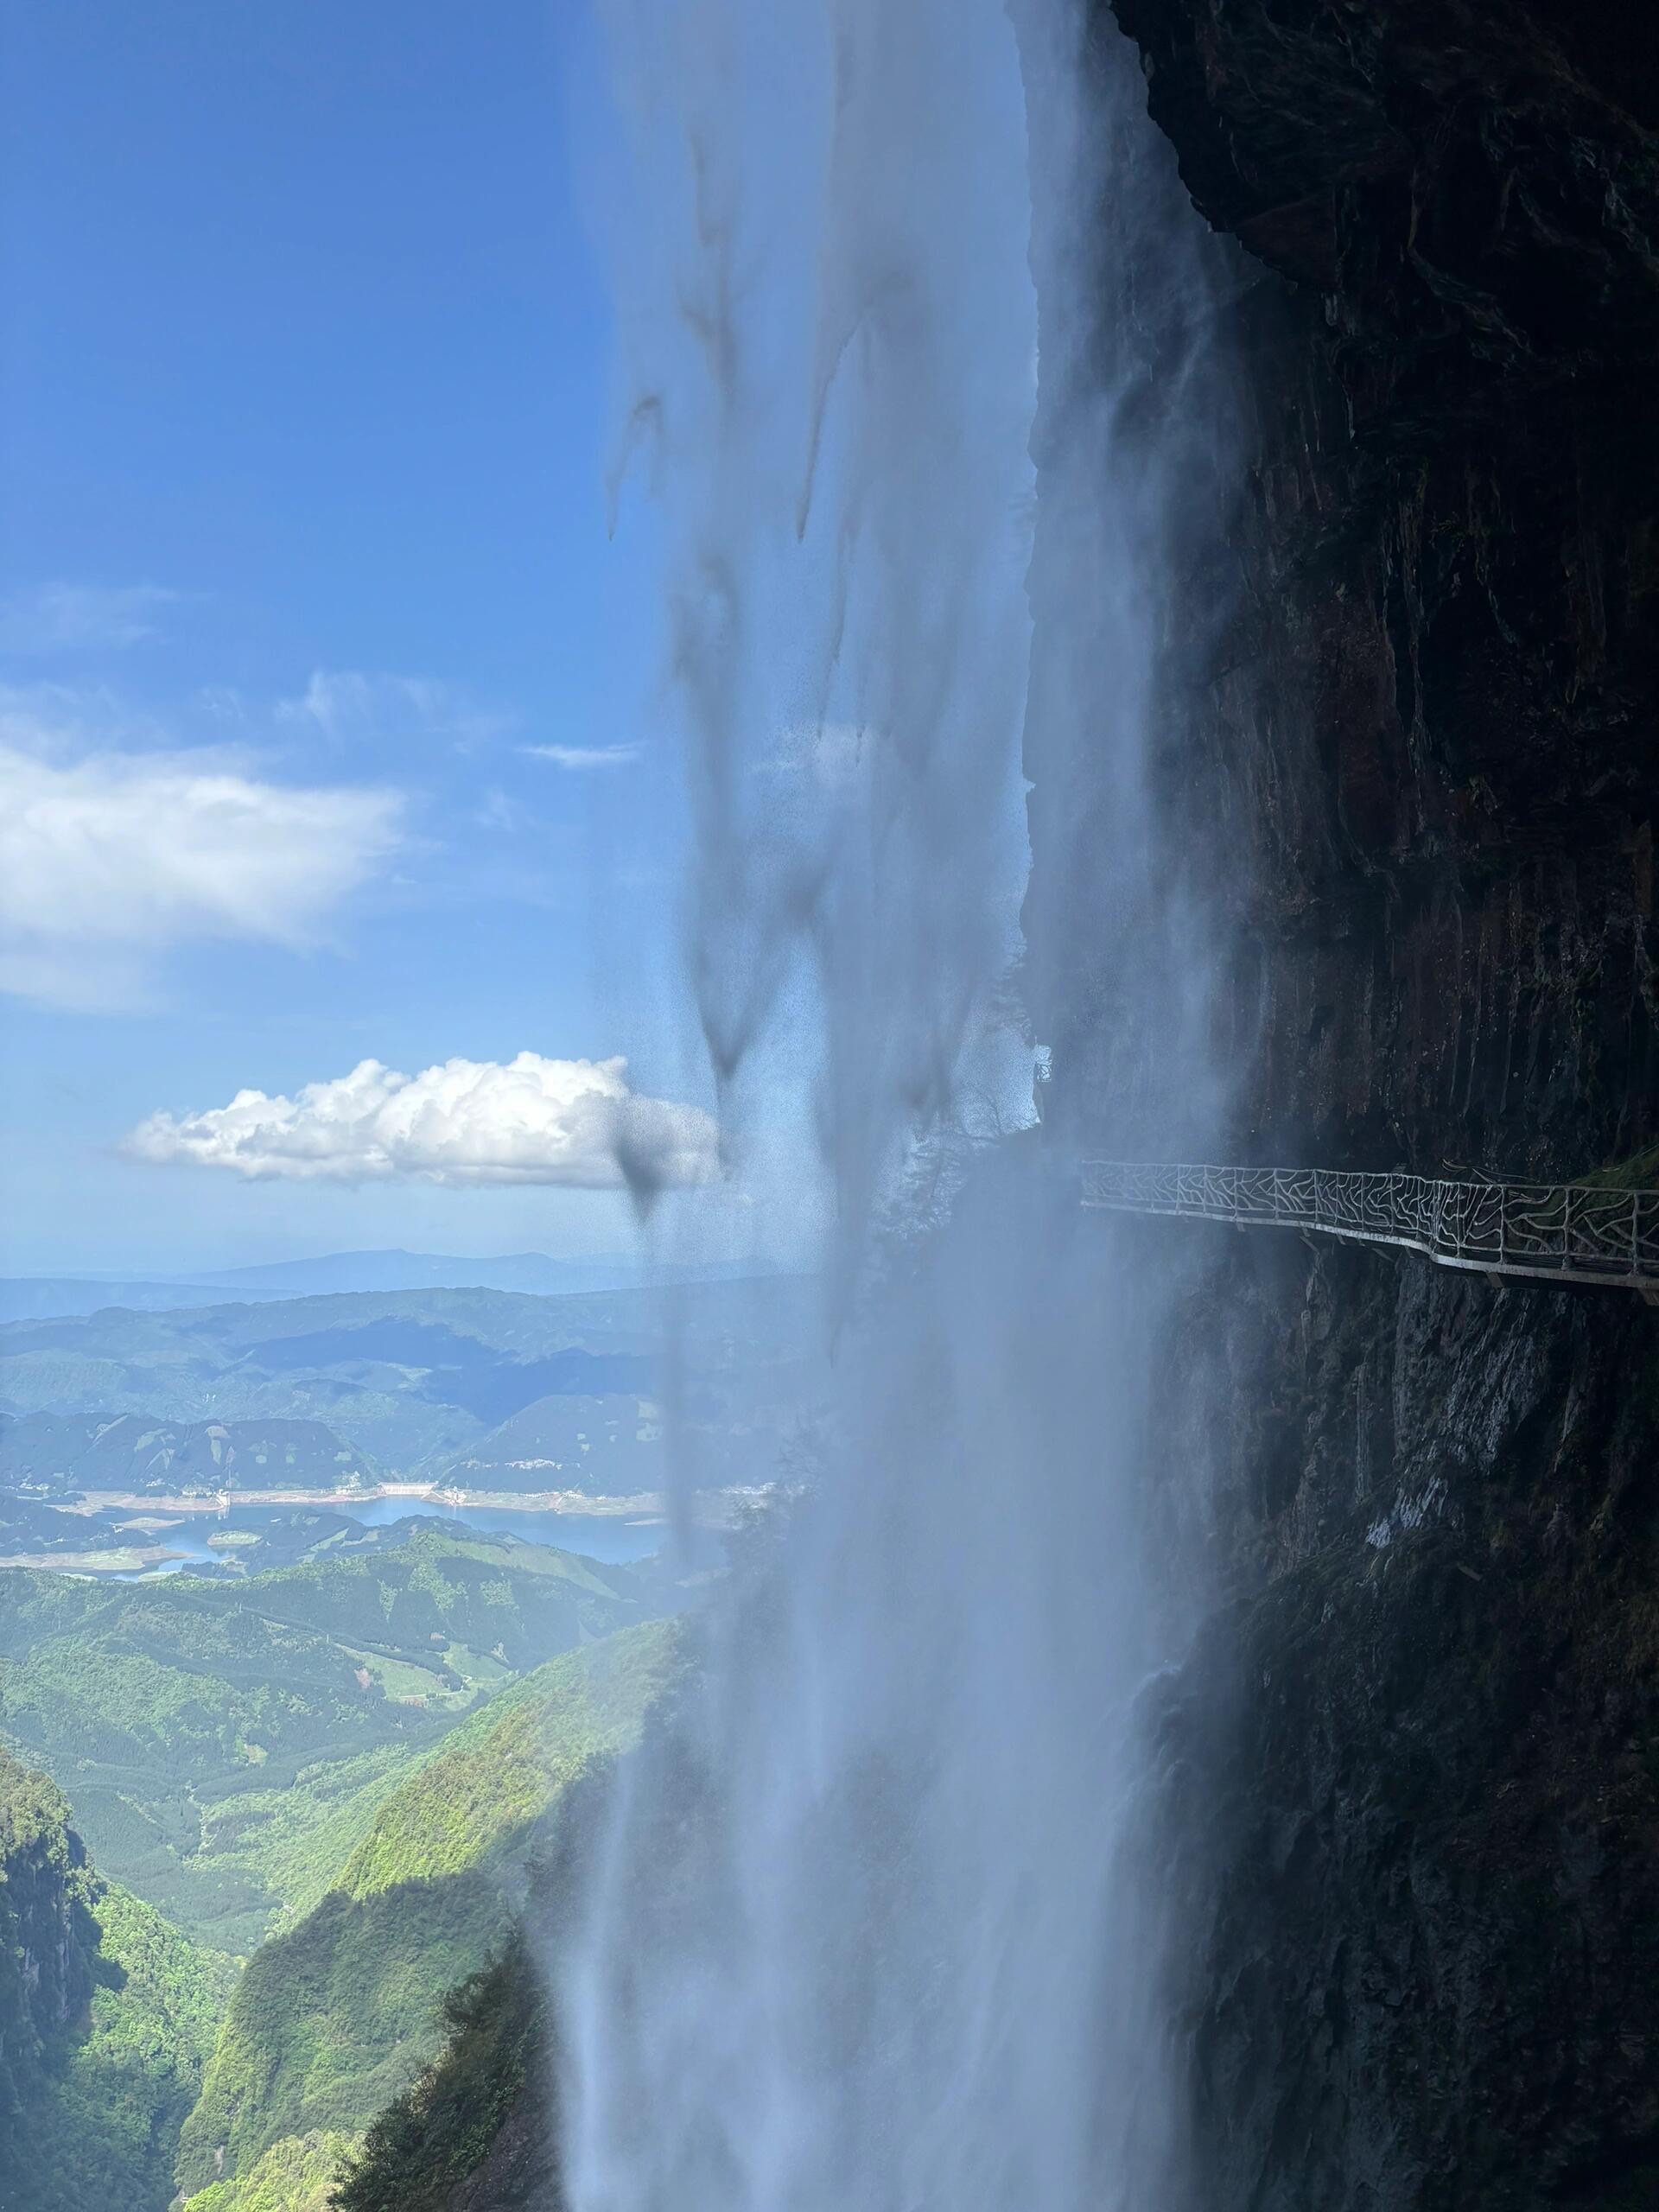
<point x="578" y="757"/>
<point x="346" y="704"/>
<point x="574" y="1123"/>
<point x="108" y="858"/>
<point x="80" y="617"/>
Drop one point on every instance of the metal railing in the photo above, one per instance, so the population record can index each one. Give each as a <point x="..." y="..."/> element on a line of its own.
<point x="1558" y="1232"/>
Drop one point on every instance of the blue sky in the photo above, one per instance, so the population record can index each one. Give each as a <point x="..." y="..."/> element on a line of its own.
<point x="308" y="618"/>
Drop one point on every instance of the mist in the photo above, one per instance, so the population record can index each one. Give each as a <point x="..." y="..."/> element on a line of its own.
<point x="916" y="372"/>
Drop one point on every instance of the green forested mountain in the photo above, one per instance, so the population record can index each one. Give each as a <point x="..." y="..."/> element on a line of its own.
<point x="107" y="2014"/>
<point x="405" y="1380"/>
<point x="541" y="1393"/>
<point x="324" y="1762"/>
<point x="478" y="2129"/>
<point x="226" y="1746"/>
<point x="56" y="1454"/>
<point x="334" y="2015"/>
<point x="479" y="2112"/>
<point x="46" y="1943"/>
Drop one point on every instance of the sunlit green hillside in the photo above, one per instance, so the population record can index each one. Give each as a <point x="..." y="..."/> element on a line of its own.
<point x="224" y="1746"/>
<point x="334" y="2017"/>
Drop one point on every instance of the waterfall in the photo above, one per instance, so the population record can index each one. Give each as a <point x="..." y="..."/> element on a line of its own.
<point x="880" y="1919"/>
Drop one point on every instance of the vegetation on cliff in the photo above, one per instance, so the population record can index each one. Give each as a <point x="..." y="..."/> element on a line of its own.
<point x="47" y="1941"/>
<point x="295" y="2175"/>
<point x="484" y="2103"/>
<point x="107" y="2014"/>
<point x="334" y="2015"/>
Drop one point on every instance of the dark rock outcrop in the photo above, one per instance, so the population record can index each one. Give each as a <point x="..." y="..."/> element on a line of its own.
<point x="1424" y="1867"/>
<point x="1424" y="768"/>
<point x="1420" y="770"/>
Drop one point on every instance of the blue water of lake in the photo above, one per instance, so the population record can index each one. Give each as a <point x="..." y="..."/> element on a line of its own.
<point x="616" y="1540"/>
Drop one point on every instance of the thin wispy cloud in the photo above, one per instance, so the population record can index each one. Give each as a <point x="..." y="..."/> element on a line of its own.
<point x="579" y="758"/>
<point x="571" y="1124"/>
<point x="498" y="811"/>
<point x="345" y="704"/>
<point x="64" y="618"/>
<point x="110" y="858"/>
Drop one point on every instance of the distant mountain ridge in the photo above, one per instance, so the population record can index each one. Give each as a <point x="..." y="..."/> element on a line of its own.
<point x="524" y="1391"/>
<point x="32" y="1298"/>
<point x="54" y="1298"/>
<point x="57" y="1451"/>
<point x="537" y="1273"/>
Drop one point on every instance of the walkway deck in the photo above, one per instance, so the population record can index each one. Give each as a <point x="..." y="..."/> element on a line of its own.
<point x="1554" y="1232"/>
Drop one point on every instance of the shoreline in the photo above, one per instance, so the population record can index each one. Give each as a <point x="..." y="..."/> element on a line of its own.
<point x="644" y="1504"/>
<point x="137" y="1562"/>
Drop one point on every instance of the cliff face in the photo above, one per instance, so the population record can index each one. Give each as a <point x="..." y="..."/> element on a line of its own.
<point x="106" y="2014"/>
<point x="1422" y="766"/>
<point x="1431" y="759"/>
<point x="1421" y="1825"/>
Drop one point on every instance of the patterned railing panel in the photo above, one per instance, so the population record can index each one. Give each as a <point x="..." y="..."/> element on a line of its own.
<point x="1567" y="1232"/>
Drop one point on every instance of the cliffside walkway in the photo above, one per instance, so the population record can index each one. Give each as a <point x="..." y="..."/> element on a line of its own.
<point x="1554" y="1232"/>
